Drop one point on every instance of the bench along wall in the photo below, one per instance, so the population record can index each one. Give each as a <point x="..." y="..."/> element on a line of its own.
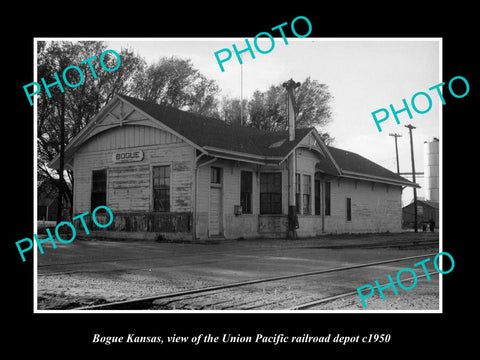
<point x="129" y="185"/>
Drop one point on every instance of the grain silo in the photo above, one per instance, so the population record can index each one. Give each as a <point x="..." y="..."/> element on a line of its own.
<point x="432" y="170"/>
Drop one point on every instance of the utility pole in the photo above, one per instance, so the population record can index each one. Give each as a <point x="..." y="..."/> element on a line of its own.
<point x="396" y="149"/>
<point x="410" y="127"/>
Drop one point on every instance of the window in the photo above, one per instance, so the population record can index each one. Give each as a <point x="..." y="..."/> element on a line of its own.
<point x="317" y="197"/>
<point x="271" y="193"/>
<point x="161" y="188"/>
<point x="419" y="209"/>
<point x="99" y="188"/>
<point x="307" y="192"/>
<point x="216" y="175"/>
<point x="297" y="193"/>
<point x="349" y="209"/>
<point x="246" y="192"/>
<point x="327" y="199"/>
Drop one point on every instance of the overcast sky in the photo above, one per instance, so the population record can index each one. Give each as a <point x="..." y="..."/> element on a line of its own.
<point x="363" y="75"/>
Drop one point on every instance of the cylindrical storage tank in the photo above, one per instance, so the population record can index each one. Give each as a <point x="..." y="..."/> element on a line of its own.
<point x="431" y="160"/>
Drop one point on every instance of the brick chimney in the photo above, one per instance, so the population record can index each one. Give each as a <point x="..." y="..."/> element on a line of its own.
<point x="290" y="86"/>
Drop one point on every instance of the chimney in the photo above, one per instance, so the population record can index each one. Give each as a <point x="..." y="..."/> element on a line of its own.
<point x="290" y="86"/>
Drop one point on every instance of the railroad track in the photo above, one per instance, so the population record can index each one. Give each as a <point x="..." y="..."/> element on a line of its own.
<point x="220" y="297"/>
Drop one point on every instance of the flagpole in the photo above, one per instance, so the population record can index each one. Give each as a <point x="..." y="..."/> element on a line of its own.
<point x="241" y="94"/>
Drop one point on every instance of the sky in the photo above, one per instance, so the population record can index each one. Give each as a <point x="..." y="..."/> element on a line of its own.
<point x="363" y="75"/>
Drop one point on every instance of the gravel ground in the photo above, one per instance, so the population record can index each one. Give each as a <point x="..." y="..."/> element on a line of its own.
<point x="230" y="263"/>
<point x="77" y="290"/>
<point x="425" y="296"/>
<point x="67" y="292"/>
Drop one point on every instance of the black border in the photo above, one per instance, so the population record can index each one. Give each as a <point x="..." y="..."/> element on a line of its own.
<point x="71" y="334"/>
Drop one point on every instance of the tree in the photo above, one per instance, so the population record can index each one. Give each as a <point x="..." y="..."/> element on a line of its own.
<point x="231" y="112"/>
<point x="175" y="82"/>
<point x="63" y="115"/>
<point x="267" y="110"/>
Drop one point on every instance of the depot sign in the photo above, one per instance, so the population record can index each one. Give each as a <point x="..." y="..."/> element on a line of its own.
<point x="127" y="156"/>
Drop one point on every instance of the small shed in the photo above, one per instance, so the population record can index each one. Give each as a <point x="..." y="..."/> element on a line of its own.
<point x="47" y="208"/>
<point x="426" y="211"/>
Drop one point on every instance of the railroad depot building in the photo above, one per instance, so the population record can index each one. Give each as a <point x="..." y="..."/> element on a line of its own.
<point x="167" y="173"/>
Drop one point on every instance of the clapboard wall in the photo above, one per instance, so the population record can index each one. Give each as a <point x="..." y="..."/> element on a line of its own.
<point x="129" y="185"/>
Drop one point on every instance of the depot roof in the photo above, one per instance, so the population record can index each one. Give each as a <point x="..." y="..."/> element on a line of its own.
<point x="217" y="138"/>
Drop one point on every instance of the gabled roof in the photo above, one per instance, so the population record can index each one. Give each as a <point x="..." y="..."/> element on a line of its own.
<point x="217" y="138"/>
<point x="354" y="165"/>
<point x="430" y="203"/>
<point x="208" y="132"/>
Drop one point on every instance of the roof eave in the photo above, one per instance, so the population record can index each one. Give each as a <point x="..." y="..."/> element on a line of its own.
<point x="322" y="146"/>
<point x="380" y="179"/>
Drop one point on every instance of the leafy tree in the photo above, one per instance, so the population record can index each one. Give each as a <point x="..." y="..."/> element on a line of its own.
<point x="175" y="82"/>
<point x="267" y="110"/>
<point x="231" y="111"/>
<point x="63" y="115"/>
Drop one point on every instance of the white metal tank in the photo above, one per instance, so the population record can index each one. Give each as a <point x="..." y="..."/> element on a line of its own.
<point x="431" y="159"/>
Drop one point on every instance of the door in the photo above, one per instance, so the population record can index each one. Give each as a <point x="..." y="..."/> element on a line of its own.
<point x="215" y="214"/>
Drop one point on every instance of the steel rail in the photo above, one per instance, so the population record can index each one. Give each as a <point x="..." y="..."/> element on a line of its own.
<point x="350" y="293"/>
<point x="130" y="304"/>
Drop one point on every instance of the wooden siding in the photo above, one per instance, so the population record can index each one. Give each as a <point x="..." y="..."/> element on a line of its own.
<point x="141" y="222"/>
<point x="129" y="136"/>
<point x="129" y="185"/>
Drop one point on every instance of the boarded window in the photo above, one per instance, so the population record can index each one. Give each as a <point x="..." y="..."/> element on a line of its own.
<point x="271" y="193"/>
<point x="161" y="188"/>
<point x="99" y="188"/>
<point x="246" y="192"/>
<point x="349" y="209"/>
<point x="307" y="194"/>
<point x="327" y="199"/>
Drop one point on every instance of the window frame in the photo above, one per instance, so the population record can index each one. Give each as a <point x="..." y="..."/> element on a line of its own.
<point x="218" y="180"/>
<point x="349" y="208"/>
<point x="162" y="187"/>
<point x="307" y="194"/>
<point x="246" y="191"/>
<point x="94" y="193"/>
<point x="298" y="193"/>
<point x="270" y="196"/>
<point x="327" y="198"/>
